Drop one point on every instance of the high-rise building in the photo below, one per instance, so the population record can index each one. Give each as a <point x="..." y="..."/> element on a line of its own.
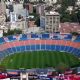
<point x="40" y="9"/>
<point x="52" y="21"/>
<point x="2" y="12"/>
<point x="42" y="22"/>
<point x="29" y="7"/>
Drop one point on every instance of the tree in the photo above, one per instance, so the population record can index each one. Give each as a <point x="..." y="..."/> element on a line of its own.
<point x="17" y="31"/>
<point x="37" y="21"/>
<point x="78" y="16"/>
<point x="74" y="17"/>
<point x="74" y="35"/>
<point x="62" y="67"/>
<point x="12" y="32"/>
<point x="49" y="8"/>
<point x="2" y="69"/>
<point x="40" y="1"/>
<point x="65" y="16"/>
<point x="26" y="1"/>
<point x="67" y="3"/>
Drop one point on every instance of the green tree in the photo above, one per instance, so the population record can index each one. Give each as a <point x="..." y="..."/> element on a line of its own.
<point x="78" y="15"/>
<point x="75" y="33"/>
<point x="65" y="17"/>
<point x="26" y="1"/>
<point x="74" y="17"/>
<point x="40" y="1"/>
<point x="12" y="32"/>
<point x="17" y="31"/>
<point x="62" y="67"/>
<point x="2" y="69"/>
<point x="37" y="21"/>
<point x="49" y="8"/>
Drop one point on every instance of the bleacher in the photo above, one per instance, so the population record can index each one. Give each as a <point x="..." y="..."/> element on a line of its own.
<point x="33" y="42"/>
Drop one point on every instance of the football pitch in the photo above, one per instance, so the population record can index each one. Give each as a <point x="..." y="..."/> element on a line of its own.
<point x="39" y="59"/>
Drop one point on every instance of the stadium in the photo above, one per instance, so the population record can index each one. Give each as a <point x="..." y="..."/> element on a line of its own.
<point x="39" y="50"/>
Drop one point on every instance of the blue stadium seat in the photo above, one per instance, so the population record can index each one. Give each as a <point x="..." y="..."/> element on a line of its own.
<point x="48" y="47"/>
<point x="1" y="54"/>
<point x="79" y="52"/>
<point x="23" y="37"/>
<point x="74" y="51"/>
<point x="11" y="38"/>
<point x="70" y="49"/>
<point x="10" y="50"/>
<point x="57" y="47"/>
<point x="66" y="48"/>
<point x="52" y="47"/>
<point x="22" y="48"/>
<point x="6" y="51"/>
<point x="4" y="54"/>
<point x="34" y="36"/>
<point x="37" y="47"/>
<point x="32" y="47"/>
<point x="27" y="48"/>
<point x="42" y="47"/>
<point x="62" y="48"/>
<point x="18" y="49"/>
<point x="45" y="36"/>
<point x="13" y="49"/>
<point x="2" y="40"/>
<point x="56" y="37"/>
<point x="68" y="37"/>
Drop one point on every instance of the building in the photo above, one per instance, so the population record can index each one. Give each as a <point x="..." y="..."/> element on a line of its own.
<point x="35" y="30"/>
<point x="20" y="24"/>
<point x="2" y="19"/>
<point x="31" y="24"/>
<point x="29" y="7"/>
<point x="52" y="21"/>
<point x="2" y="8"/>
<point x="42" y="22"/>
<point x="2" y="12"/>
<point x="40" y="9"/>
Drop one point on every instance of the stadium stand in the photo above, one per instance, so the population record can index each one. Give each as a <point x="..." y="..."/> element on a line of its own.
<point x="33" y="42"/>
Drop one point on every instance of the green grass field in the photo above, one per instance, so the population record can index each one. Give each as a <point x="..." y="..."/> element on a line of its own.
<point x="39" y="59"/>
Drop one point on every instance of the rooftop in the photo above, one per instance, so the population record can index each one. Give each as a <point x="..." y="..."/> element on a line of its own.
<point x="52" y="13"/>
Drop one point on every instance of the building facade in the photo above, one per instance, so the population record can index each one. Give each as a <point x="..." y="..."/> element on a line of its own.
<point x="29" y="7"/>
<point x="52" y="21"/>
<point x="40" y="9"/>
<point x="42" y="22"/>
<point x="2" y="12"/>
